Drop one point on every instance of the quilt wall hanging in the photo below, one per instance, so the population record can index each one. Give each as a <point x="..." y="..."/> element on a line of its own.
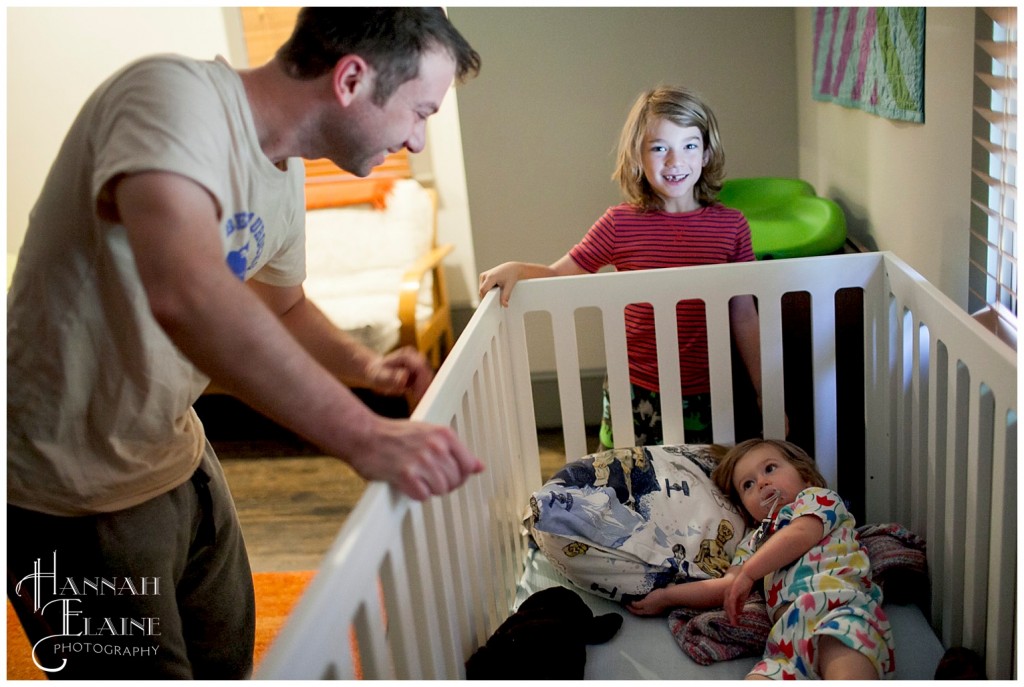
<point x="871" y="58"/>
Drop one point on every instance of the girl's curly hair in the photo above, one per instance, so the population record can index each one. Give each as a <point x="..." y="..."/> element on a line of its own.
<point x="804" y="464"/>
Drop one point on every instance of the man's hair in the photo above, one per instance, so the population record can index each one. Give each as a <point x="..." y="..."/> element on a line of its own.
<point x="796" y="456"/>
<point x="391" y="39"/>
<point x="684" y="108"/>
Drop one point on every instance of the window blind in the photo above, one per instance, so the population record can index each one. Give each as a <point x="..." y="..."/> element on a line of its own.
<point x="992" y="277"/>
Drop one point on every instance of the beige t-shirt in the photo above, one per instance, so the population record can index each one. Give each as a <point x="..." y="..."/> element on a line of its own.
<point x="99" y="414"/>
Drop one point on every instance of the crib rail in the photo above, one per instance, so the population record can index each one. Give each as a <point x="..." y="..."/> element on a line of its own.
<point x="942" y="445"/>
<point x="820" y="278"/>
<point x="409" y="590"/>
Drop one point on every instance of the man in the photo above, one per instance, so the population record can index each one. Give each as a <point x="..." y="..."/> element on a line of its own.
<point x="166" y="250"/>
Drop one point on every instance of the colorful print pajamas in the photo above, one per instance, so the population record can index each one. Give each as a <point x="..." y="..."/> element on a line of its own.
<point x="828" y="590"/>
<point x="851" y="617"/>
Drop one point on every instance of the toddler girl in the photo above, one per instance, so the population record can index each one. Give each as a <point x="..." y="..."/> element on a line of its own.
<point x="828" y="615"/>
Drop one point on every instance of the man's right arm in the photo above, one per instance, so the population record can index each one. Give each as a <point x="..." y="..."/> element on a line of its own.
<point x="210" y="315"/>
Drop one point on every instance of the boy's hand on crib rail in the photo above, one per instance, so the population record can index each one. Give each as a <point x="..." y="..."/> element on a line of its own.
<point x="506" y="275"/>
<point x="503" y="276"/>
<point x="418" y="459"/>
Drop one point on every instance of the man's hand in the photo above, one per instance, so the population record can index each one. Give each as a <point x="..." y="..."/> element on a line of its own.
<point x="418" y="459"/>
<point x="210" y="315"/>
<point x="404" y="371"/>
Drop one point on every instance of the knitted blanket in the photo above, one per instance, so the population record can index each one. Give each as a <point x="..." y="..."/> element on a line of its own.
<point x="708" y="637"/>
<point x="898" y="562"/>
<point x="898" y="565"/>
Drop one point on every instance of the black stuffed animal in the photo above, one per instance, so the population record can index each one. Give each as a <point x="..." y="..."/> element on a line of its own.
<point x="546" y="639"/>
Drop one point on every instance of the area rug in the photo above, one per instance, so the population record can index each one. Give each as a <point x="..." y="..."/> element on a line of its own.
<point x="276" y="595"/>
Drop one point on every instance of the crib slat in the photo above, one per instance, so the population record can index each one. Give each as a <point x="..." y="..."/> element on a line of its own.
<point x="956" y="478"/>
<point x="667" y="341"/>
<point x="823" y="333"/>
<point x="479" y="508"/>
<point x="877" y="378"/>
<point x="423" y="597"/>
<point x="400" y="616"/>
<point x="373" y="654"/>
<point x="522" y="470"/>
<point x="521" y="385"/>
<point x="567" y="359"/>
<point x="458" y="566"/>
<point x="614" y="319"/>
<point x="720" y="369"/>
<point x="938" y="469"/>
<point x="904" y="390"/>
<point x="979" y="479"/>
<point x="918" y="468"/>
<point x="1000" y="632"/>
<point x="453" y="615"/>
<point x="503" y="494"/>
<point x="773" y="391"/>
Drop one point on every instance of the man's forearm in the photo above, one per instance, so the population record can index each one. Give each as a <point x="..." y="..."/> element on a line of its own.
<point x="342" y="355"/>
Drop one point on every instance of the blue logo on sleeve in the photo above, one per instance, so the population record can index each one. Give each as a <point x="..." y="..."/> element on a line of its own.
<point x="246" y="228"/>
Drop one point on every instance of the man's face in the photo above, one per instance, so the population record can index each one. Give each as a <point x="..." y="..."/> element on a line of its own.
<point x="366" y="133"/>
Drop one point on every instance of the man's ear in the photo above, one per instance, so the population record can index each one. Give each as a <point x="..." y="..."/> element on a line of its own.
<point x="351" y="77"/>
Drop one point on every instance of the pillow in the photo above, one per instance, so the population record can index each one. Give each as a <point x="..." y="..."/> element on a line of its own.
<point x="359" y="237"/>
<point x="621" y="523"/>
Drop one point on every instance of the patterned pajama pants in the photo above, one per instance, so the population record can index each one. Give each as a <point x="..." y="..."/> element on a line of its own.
<point x="849" y="616"/>
<point x="646" y="407"/>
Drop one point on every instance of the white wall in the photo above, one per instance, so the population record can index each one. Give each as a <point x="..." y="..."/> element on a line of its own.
<point x="57" y="56"/>
<point x="441" y="163"/>
<point x="904" y="187"/>
<point x="541" y="124"/>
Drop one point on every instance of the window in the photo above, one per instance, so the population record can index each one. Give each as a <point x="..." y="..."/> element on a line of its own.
<point x="993" y="248"/>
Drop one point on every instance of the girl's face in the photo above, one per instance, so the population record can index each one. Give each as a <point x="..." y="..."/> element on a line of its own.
<point x="673" y="158"/>
<point x="760" y="474"/>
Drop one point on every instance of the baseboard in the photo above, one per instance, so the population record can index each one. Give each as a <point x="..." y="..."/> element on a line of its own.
<point x="545" y="385"/>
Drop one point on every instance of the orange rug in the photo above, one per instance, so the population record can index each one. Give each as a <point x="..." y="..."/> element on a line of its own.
<point x="276" y="595"/>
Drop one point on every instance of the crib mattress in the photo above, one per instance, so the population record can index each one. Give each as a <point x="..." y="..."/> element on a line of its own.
<point x="644" y="649"/>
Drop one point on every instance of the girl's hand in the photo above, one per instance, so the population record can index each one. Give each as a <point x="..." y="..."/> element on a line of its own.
<point x="505" y="276"/>
<point x="737" y="595"/>
<point x="654" y="603"/>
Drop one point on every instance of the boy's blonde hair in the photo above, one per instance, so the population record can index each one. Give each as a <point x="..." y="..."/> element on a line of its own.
<point x="682" y="107"/>
<point x="797" y="457"/>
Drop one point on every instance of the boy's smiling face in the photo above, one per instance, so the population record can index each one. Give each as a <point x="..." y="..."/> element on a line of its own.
<point x="673" y="158"/>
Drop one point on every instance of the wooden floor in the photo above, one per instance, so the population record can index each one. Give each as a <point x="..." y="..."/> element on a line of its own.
<point x="291" y="502"/>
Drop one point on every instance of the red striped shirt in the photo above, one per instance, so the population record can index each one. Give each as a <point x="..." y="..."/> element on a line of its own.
<point x="632" y="240"/>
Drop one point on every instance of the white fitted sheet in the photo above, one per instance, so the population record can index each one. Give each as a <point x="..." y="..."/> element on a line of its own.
<point x="644" y="648"/>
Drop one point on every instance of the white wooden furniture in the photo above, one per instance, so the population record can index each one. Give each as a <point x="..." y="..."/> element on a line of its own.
<point x="417" y="587"/>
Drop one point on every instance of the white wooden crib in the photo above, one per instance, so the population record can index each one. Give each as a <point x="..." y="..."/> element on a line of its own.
<point x="409" y="590"/>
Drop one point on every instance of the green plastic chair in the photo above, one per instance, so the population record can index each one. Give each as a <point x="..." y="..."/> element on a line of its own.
<point x="787" y="218"/>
